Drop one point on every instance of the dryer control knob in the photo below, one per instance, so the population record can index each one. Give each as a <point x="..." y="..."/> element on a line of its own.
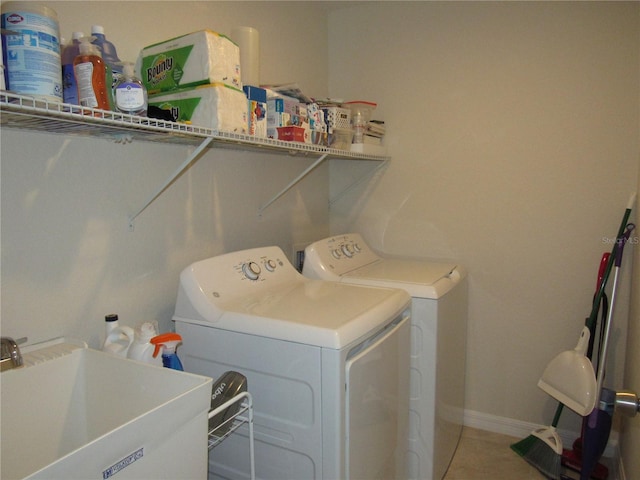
<point x="251" y="270"/>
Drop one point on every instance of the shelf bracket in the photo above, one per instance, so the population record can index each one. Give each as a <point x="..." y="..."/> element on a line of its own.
<point x="357" y="182"/>
<point x="293" y="183"/>
<point x="196" y="153"/>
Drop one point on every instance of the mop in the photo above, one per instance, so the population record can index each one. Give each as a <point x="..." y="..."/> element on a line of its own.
<point x="572" y="458"/>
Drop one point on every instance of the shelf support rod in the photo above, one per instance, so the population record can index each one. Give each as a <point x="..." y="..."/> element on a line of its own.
<point x="196" y="153"/>
<point x="293" y="183"/>
<point x="357" y="182"/>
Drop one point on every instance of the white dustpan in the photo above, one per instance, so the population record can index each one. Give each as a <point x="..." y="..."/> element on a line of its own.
<point x="570" y="378"/>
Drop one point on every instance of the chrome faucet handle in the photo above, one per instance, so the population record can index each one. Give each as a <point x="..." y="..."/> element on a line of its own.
<point x="10" y="350"/>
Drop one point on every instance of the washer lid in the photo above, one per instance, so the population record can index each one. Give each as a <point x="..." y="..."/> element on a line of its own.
<point x="421" y="279"/>
<point x="313" y="312"/>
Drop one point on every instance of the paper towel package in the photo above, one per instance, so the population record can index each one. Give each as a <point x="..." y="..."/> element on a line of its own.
<point x="217" y="106"/>
<point x="190" y="60"/>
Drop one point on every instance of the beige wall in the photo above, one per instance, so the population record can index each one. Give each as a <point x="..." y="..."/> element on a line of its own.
<point x="68" y="257"/>
<point x="513" y="131"/>
<point x="513" y="128"/>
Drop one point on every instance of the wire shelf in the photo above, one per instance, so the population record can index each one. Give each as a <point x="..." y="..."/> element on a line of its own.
<point x="32" y="113"/>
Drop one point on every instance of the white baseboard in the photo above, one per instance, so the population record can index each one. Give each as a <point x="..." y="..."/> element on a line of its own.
<point x="519" y="429"/>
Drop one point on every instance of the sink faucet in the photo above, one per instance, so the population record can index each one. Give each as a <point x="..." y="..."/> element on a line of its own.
<point x="11" y="356"/>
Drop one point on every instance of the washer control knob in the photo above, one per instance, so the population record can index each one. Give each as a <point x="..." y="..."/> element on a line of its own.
<point x="336" y="253"/>
<point x="270" y="265"/>
<point x="251" y="270"/>
<point x="356" y="248"/>
<point x="347" y="250"/>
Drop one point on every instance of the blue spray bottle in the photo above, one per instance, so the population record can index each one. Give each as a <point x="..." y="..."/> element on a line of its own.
<point x="168" y="342"/>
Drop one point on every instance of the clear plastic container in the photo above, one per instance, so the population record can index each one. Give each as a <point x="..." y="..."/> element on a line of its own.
<point x="341" y="138"/>
<point x="31" y="39"/>
<point x="360" y="116"/>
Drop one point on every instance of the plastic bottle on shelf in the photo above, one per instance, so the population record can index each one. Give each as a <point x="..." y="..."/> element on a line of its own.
<point x="118" y="338"/>
<point x="69" y="84"/>
<point x="91" y="76"/>
<point x="167" y="343"/>
<point x="108" y="50"/>
<point x="130" y="95"/>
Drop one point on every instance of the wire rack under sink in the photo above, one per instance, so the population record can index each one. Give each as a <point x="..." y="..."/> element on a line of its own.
<point x="243" y="416"/>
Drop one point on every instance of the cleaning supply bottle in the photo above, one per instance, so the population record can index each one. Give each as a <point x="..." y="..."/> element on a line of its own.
<point x="130" y="95"/>
<point x="142" y="349"/>
<point x="118" y="338"/>
<point x="108" y="50"/>
<point x="69" y="84"/>
<point x="91" y="76"/>
<point x="168" y="342"/>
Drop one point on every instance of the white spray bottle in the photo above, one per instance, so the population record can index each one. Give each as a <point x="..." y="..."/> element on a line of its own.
<point x="167" y="343"/>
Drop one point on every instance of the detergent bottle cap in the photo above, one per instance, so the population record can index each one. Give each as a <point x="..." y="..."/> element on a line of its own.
<point x="168" y="342"/>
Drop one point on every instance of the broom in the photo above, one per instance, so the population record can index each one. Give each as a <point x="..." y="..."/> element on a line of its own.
<point x="543" y="448"/>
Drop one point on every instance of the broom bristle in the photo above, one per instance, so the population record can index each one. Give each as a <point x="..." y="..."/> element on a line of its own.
<point x="540" y="455"/>
<point x="523" y="446"/>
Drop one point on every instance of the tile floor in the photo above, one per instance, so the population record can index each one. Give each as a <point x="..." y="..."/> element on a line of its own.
<point x="484" y="455"/>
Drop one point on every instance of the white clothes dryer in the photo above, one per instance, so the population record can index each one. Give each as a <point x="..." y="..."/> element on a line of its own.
<point x="438" y="339"/>
<point x="326" y="363"/>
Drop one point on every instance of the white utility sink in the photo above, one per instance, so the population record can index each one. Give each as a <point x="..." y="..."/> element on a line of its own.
<point x="78" y="413"/>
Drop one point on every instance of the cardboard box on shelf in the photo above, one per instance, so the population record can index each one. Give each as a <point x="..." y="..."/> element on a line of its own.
<point x="290" y="134"/>
<point x="257" y="110"/>
<point x="287" y="105"/>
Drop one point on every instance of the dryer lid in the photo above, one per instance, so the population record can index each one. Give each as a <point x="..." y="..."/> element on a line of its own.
<point x="317" y="312"/>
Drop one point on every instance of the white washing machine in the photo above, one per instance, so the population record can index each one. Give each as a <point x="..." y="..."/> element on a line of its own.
<point x="438" y="339"/>
<point x="326" y="363"/>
